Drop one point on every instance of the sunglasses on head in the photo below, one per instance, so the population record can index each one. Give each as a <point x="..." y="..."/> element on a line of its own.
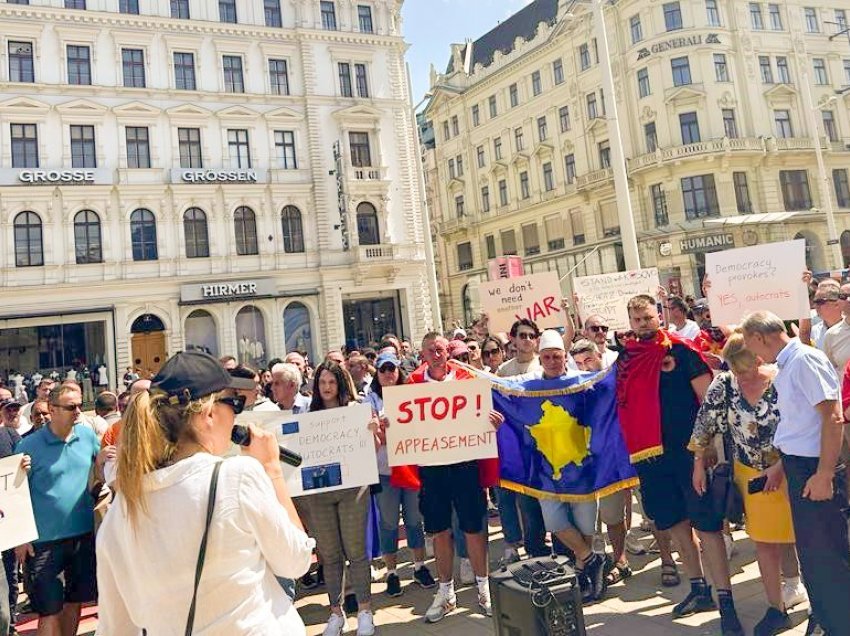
<point x="599" y="328"/>
<point x="236" y="402"/>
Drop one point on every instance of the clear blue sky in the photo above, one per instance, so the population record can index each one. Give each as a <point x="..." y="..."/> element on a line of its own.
<point x="430" y="26"/>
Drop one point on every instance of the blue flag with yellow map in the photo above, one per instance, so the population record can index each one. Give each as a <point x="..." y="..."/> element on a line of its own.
<point x="561" y="438"/>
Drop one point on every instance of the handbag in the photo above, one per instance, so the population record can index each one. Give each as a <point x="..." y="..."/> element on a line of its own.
<point x="726" y="499"/>
<point x="202" y="551"/>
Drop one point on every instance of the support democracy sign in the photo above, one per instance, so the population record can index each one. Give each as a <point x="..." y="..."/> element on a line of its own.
<point x="17" y="522"/>
<point x="537" y="297"/>
<point x="765" y="277"/>
<point x="609" y="294"/>
<point x="437" y="423"/>
<point x="336" y="446"/>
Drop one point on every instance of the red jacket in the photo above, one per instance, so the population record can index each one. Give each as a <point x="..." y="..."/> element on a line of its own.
<point x="407" y="477"/>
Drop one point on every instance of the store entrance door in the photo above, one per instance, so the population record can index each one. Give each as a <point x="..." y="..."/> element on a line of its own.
<point x="148" y="345"/>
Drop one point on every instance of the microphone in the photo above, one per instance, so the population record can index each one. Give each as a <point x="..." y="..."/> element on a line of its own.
<point x="241" y="435"/>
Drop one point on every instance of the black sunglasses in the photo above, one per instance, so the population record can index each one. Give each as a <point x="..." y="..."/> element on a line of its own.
<point x="236" y="402"/>
<point x="387" y="368"/>
<point x="598" y="328"/>
<point x="526" y="336"/>
<point x="489" y="352"/>
<point x="823" y="301"/>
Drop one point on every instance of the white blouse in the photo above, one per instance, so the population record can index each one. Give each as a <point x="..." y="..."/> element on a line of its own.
<point x="145" y="574"/>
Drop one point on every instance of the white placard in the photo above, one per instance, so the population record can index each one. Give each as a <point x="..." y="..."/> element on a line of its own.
<point x="764" y="277"/>
<point x="438" y="423"/>
<point x="336" y="445"/>
<point x="609" y="294"/>
<point x="17" y="522"/>
<point x="536" y="297"/>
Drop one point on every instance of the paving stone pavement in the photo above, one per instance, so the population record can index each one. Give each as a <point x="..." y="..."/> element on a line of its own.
<point x="639" y="606"/>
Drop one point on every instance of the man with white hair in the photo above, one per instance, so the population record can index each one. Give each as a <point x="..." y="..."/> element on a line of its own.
<point x="286" y="382"/>
<point x="808" y="437"/>
<point x="827" y="310"/>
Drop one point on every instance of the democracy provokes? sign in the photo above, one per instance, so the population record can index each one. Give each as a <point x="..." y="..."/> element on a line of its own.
<point x="337" y="447"/>
<point x="536" y="297"/>
<point x="764" y="277"/>
<point x="17" y="522"/>
<point x="438" y="423"/>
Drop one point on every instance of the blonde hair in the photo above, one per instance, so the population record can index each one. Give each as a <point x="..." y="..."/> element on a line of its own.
<point x="736" y="354"/>
<point x="150" y="431"/>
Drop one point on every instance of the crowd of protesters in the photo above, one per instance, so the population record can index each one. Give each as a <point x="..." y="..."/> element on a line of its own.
<point x="144" y="472"/>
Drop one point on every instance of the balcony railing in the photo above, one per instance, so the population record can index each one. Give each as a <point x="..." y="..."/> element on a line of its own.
<point x="594" y="177"/>
<point x="368" y="174"/>
<point x="375" y="253"/>
<point x="710" y="146"/>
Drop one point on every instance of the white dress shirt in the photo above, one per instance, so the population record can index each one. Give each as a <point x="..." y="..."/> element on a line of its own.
<point x="145" y="572"/>
<point x="805" y="379"/>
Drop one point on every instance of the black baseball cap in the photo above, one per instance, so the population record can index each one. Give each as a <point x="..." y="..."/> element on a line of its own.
<point x="192" y="375"/>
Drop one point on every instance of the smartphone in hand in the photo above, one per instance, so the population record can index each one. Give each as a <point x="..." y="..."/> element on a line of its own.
<point x="756" y="485"/>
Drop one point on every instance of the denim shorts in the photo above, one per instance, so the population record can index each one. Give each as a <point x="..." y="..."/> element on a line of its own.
<point x="562" y="515"/>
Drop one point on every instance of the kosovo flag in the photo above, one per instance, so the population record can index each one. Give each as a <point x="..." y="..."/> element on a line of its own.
<point x="561" y="438"/>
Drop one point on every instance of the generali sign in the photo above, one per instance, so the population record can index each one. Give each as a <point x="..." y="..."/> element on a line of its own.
<point x="678" y="43"/>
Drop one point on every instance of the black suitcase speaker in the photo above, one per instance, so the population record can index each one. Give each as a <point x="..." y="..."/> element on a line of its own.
<point x="537" y="597"/>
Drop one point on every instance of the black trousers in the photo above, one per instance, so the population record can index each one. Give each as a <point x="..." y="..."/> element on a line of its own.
<point x="822" y="544"/>
<point x="10" y="565"/>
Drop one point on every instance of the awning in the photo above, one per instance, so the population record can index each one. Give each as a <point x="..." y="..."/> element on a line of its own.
<point x="751" y="219"/>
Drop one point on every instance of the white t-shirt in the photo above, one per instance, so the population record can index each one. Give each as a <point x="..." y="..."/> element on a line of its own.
<point x="145" y="573"/>
<point x="689" y="330"/>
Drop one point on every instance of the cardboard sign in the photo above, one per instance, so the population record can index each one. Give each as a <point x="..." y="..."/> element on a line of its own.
<point x="336" y="445"/>
<point x="762" y="278"/>
<point x="608" y="294"/>
<point x="17" y="522"/>
<point x="438" y="423"/>
<point x="537" y="297"/>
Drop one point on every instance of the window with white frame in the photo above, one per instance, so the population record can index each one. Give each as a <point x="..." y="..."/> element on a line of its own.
<point x="284" y="145"/>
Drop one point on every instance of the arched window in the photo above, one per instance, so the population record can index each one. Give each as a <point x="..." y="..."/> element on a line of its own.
<point x="293" y="234"/>
<point x="251" y="337"/>
<point x="297" y="330"/>
<point x="245" y="226"/>
<point x="87" y="243"/>
<point x="368" y="232"/>
<point x="147" y="323"/>
<point x="29" y="250"/>
<point x="201" y="333"/>
<point x="195" y="231"/>
<point x="143" y="235"/>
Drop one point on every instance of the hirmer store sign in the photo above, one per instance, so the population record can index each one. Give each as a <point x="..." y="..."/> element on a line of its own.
<point x="678" y="43"/>
<point x="228" y="290"/>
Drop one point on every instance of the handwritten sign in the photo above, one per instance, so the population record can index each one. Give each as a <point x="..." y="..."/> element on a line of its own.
<point x="765" y="277"/>
<point x="336" y="445"/>
<point x="438" y="423"/>
<point x="17" y="522"/>
<point x="537" y="297"/>
<point x="608" y="294"/>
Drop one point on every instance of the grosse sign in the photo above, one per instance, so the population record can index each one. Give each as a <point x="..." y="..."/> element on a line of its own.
<point x="179" y="175"/>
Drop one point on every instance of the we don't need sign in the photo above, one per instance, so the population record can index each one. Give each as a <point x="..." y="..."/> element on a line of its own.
<point x="437" y="423"/>
<point x="536" y="297"/>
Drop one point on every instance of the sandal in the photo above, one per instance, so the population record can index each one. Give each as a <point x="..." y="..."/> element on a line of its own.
<point x="669" y="575"/>
<point x="620" y="572"/>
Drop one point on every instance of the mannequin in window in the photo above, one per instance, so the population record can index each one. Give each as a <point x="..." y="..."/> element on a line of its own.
<point x="102" y="376"/>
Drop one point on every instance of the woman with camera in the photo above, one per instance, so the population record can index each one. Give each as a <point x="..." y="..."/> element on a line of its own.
<point x="192" y="542"/>
<point x="742" y="404"/>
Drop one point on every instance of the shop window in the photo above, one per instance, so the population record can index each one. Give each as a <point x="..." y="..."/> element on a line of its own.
<point x="368" y="232"/>
<point x="251" y="337"/>
<point x="143" y="235"/>
<point x="297" y="329"/>
<point x="147" y="323"/>
<point x="245" y="227"/>
<point x="196" y="233"/>
<point x="87" y="238"/>
<point x="201" y="332"/>
<point x="29" y="249"/>
<point x="293" y="234"/>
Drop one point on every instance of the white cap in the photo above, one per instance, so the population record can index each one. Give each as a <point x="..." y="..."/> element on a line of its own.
<point x="459" y="332"/>
<point x="551" y="339"/>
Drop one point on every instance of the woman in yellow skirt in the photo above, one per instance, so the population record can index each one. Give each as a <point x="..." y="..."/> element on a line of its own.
<point x="742" y="403"/>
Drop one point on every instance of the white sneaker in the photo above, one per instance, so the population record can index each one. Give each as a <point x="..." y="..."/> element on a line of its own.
<point x="730" y="546"/>
<point x="793" y="593"/>
<point x="335" y="626"/>
<point x="376" y="574"/>
<point x="484" y="600"/>
<point x="467" y="576"/>
<point x="365" y="624"/>
<point x="442" y="604"/>
<point x="633" y="544"/>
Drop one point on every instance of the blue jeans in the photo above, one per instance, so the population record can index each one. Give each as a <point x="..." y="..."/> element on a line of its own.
<point x="391" y="500"/>
<point x="514" y="506"/>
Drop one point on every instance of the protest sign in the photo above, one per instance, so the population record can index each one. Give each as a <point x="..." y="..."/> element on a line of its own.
<point x="17" y="523"/>
<point x="437" y="423"/>
<point x="764" y="277"/>
<point x="608" y="294"/>
<point x="536" y="297"/>
<point x="336" y="446"/>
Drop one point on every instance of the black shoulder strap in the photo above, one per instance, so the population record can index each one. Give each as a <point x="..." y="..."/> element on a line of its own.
<point x="202" y="552"/>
